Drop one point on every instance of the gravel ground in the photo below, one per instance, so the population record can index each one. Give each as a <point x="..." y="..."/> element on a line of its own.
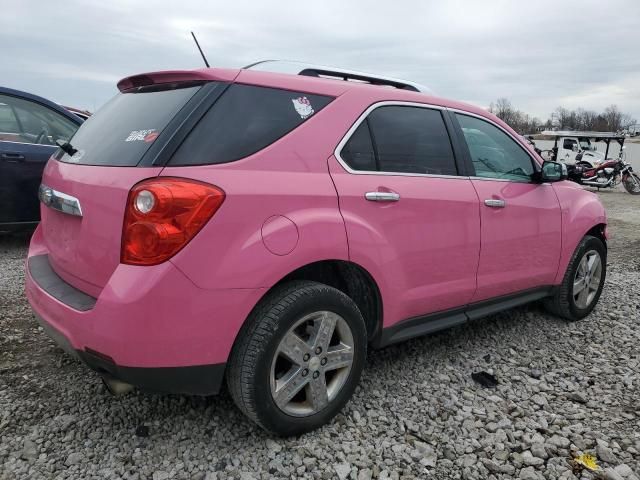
<point x="563" y="388"/>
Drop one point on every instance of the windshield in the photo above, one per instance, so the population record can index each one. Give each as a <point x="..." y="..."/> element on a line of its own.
<point x="121" y="132"/>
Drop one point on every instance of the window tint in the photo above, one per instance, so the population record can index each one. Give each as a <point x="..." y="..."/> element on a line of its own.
<point x="244" y="120"/>
<point x="411" y="140"/>
<point x="358" y="151"/>
<point x="569" y="143"/>
<point x="494" y="153"/>
<point x="32" y="122"/>
<point x="121" y="132"/>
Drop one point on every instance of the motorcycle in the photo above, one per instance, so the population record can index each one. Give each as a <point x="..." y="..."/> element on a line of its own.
<point x="607" y="174"/>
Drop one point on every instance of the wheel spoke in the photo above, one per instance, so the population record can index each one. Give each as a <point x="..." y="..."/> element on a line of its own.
<point x="294" y="348"/>
<point x="594" y="284"/>
<point x="338" y="357"/>
<point x="582" y="269"/>
<point x="593" y="262"/>
<point x="583" y="298"/>
<point x="324" y="331"/>
<point x="288" y="386"/>
<point x="317" y="393"/>
<point x="578" y="285"/>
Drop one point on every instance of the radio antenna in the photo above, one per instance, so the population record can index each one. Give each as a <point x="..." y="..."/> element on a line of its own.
<point x="201" y="52"/>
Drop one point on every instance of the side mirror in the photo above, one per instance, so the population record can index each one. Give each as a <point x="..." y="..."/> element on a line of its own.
<point x="553" y="172"/>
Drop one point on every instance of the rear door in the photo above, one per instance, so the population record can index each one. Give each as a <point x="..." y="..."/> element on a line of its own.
<point x="28" y="131"/>
<point x="521" y="219"/>
<point x="411" y="220"/>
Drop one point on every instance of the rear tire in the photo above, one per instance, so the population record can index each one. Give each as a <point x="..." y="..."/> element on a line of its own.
<point x="298" y="358"/>
<point x="632" y="184"/>
<point x="583" y="281"/>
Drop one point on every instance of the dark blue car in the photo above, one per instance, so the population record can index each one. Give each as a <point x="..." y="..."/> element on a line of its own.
<point x="29" y="128"/>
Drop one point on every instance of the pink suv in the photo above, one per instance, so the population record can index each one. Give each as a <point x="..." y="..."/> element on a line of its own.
<point x="268" y="228"/>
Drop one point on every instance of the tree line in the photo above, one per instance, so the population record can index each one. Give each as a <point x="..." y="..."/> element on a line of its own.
<point x="610" y="120"/>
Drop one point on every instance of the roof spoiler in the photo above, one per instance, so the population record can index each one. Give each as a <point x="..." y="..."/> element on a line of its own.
<point x="176" y="76"/>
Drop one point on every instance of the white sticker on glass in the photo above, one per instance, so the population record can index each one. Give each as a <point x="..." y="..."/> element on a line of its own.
<point x="303" y="107"/>
<point x="144" y="135"/>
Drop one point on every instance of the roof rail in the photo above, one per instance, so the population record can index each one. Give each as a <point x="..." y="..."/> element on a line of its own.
<point x="323" y="71"/>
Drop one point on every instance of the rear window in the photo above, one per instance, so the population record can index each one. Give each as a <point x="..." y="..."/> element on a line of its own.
<point x="245" y="120"/>
<point x="122" y="131"/>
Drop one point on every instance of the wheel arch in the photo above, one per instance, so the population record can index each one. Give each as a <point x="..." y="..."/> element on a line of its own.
<point x="582" y="214"/>
<point x="600" y="232"/>
<point x="348" y="277"/>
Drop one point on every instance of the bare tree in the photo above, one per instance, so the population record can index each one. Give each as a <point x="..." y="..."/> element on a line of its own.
<point x="612" y="119"/>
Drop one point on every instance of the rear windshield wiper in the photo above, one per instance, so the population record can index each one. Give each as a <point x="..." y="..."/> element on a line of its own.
<point x="66" y="147"/>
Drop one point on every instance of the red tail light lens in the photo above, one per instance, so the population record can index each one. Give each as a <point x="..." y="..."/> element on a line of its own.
<point x="163" y="215"/>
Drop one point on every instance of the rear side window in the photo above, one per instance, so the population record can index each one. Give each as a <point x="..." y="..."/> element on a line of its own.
<point x="121" y="132"/>
<point x="245" y="120"/>
<point x="403" y="139"/>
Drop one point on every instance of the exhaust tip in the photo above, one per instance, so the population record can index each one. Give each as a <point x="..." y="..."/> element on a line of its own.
<point x="116" y="387"/>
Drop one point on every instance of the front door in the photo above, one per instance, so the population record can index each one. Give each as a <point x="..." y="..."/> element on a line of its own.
<point x="411" y="221"/>
<point x="521" y="219"/>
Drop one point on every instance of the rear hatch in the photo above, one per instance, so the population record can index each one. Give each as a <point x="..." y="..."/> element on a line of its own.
<point x="112" y="151"/>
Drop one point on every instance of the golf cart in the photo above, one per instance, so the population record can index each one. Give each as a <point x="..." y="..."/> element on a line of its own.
<point x="574" y="148"/>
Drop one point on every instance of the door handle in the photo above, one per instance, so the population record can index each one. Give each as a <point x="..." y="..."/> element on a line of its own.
<point x="12" y="157"/>
<point x="382" y="196"/>
<point x="494" y="203"/>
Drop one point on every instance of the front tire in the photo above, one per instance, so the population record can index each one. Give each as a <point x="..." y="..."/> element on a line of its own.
<point x="583" y="281"/>
<point x="632" y="183"/>
<point x="298" y="358"/>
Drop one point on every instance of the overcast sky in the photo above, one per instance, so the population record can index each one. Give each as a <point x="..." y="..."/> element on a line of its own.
<point x="539" y="54"/>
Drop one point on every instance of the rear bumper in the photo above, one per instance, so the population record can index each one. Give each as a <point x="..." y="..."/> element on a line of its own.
<point x="192" y="380"/>
<point x="149" y="326"/>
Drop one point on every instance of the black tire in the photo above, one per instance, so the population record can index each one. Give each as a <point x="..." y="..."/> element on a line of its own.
<point x="631" y="186"/>
<point x="562" y="303"/>
<point x="250" y="364"/>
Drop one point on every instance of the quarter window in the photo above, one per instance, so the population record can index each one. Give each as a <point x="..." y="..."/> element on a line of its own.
<point x="401" y="139"/>
<point x="494" y="153"/>
<point x="245" y="120"/>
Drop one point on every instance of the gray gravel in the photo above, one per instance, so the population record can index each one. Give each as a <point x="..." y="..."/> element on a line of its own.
<point x="563" y="389"/>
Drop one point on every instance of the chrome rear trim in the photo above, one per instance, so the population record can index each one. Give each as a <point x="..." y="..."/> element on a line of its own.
<point x="59" y="201"/>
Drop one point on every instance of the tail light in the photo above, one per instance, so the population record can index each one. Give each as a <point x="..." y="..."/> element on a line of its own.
<point x="163" y="215"/>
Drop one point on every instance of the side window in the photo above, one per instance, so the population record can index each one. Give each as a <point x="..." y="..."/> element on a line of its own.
<point x="569" y="143"/>
<point x="358" y="151"/>
<point x="8" y="121"/>
<point x="411" y="140"/>
<point x="35" y="123"/>
<point x="494" y="153"/>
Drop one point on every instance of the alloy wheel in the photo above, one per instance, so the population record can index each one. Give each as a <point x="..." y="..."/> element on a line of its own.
<point x="311" y="364"/>
<point x="587" y="279"/>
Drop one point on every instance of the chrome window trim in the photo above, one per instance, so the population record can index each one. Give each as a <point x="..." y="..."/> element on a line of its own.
<point x="59" y="201"/>
<point x="347" y="136"/>
<point x="28" y="143"/>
